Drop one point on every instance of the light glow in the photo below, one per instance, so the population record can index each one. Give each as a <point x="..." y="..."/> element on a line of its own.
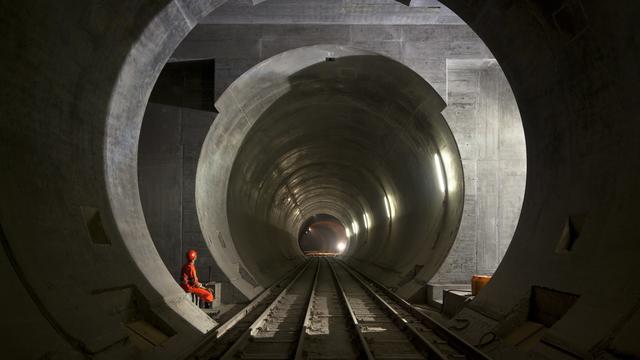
<point x="440" y="171"/>
<point x="366" y="221"/>
<point x="449" y="163"/>
<point x="346" y="230"/>
<point x="355" y="227"/>
<point x="341" y="246"/>
<point x="388" y="205"/>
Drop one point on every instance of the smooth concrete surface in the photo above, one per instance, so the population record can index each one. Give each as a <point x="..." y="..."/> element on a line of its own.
<point x="329" y="130"/>
<point x="75" y="82"/>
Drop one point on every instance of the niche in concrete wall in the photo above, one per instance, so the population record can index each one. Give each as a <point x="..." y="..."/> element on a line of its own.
<point x="93" y="223"/>
<point x="571" y="229"/>
<point x="128" y="306"/>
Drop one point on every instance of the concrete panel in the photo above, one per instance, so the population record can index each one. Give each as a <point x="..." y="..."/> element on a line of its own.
<point x="365" y="33"/>
<point x="160" y="176"/>
<point x="282" y="38"/>
<point x="488" y="210"/>
<point x="332" y="12"/>
<point x="218" y="47"/>
<point x="483" y="115"/>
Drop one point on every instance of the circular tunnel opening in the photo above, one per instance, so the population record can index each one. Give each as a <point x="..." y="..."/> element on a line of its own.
<point x="564" y="153"/>
<point x="329" y="130"/>
<point x="322" y="235"/>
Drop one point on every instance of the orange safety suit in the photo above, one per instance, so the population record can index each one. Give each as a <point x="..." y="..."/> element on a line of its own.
<point x="191" y="284"/>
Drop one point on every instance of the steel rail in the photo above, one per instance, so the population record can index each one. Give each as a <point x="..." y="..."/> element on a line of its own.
<point x="240" y="342"/>
<point x="422" y="342"/>
<point x="452" y="339"/>
<point x="307" y="316"/>
<point x="354" y="320"/>
<point x="220" y="330"/>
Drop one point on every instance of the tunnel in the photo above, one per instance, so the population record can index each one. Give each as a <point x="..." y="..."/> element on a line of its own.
<point x="323" y="234"/>
<point x="83" y="269"/>
<point x="330" y="130"/>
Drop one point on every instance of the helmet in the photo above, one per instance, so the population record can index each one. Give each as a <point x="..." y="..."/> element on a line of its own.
<point x="191" y="255"/>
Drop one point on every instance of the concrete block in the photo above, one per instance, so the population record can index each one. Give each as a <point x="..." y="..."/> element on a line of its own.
<point x="435" y="292"/>
<point x="453" y="301"/>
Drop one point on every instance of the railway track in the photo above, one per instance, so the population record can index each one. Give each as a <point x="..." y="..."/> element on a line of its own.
<point x="327" y="310"/>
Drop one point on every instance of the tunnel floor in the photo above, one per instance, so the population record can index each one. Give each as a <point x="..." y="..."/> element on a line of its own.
<point x="327" y="309"/>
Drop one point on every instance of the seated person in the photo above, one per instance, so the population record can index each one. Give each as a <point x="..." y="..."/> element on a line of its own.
<point x="190" y="283"/>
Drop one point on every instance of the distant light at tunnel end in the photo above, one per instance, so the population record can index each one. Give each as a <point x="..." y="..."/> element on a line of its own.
<point x="341" y="246"/>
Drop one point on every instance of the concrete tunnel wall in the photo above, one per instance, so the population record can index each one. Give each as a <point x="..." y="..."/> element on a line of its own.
<point x="79" y="269"/>
<point x="481" y="110"/>
<point x="359" y="137"/>
<point x="571" y="64"/>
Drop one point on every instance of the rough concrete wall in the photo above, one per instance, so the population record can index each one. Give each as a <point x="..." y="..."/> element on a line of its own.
<point x="424" y="48"/>
<point x="160" y="163"/>
<point x="482" y="111"/>
<point x="571" y="65"/>
<point x="386" y="12"/>
<point x="170" y="143"/>
<point x="70" y="283"/>
<point x="484" y="117"/>
<point x="195" y="125"/>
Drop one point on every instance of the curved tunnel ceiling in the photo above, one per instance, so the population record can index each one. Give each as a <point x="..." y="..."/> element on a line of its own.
<point x="329" y="130"/>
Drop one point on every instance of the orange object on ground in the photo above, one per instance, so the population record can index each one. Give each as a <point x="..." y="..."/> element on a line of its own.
<point x="189" y="279"/>
<point x="478" y="282"/>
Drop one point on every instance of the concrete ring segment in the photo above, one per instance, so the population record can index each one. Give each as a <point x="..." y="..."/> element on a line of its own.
<point x="330" y="130"/>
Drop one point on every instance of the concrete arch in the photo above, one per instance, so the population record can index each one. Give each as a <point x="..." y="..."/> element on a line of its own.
<point x="80" y="248"/>
<point x="257" y="148"/>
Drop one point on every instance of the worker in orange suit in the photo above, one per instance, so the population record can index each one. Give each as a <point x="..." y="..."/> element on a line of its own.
<point x="189" y="281"/>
